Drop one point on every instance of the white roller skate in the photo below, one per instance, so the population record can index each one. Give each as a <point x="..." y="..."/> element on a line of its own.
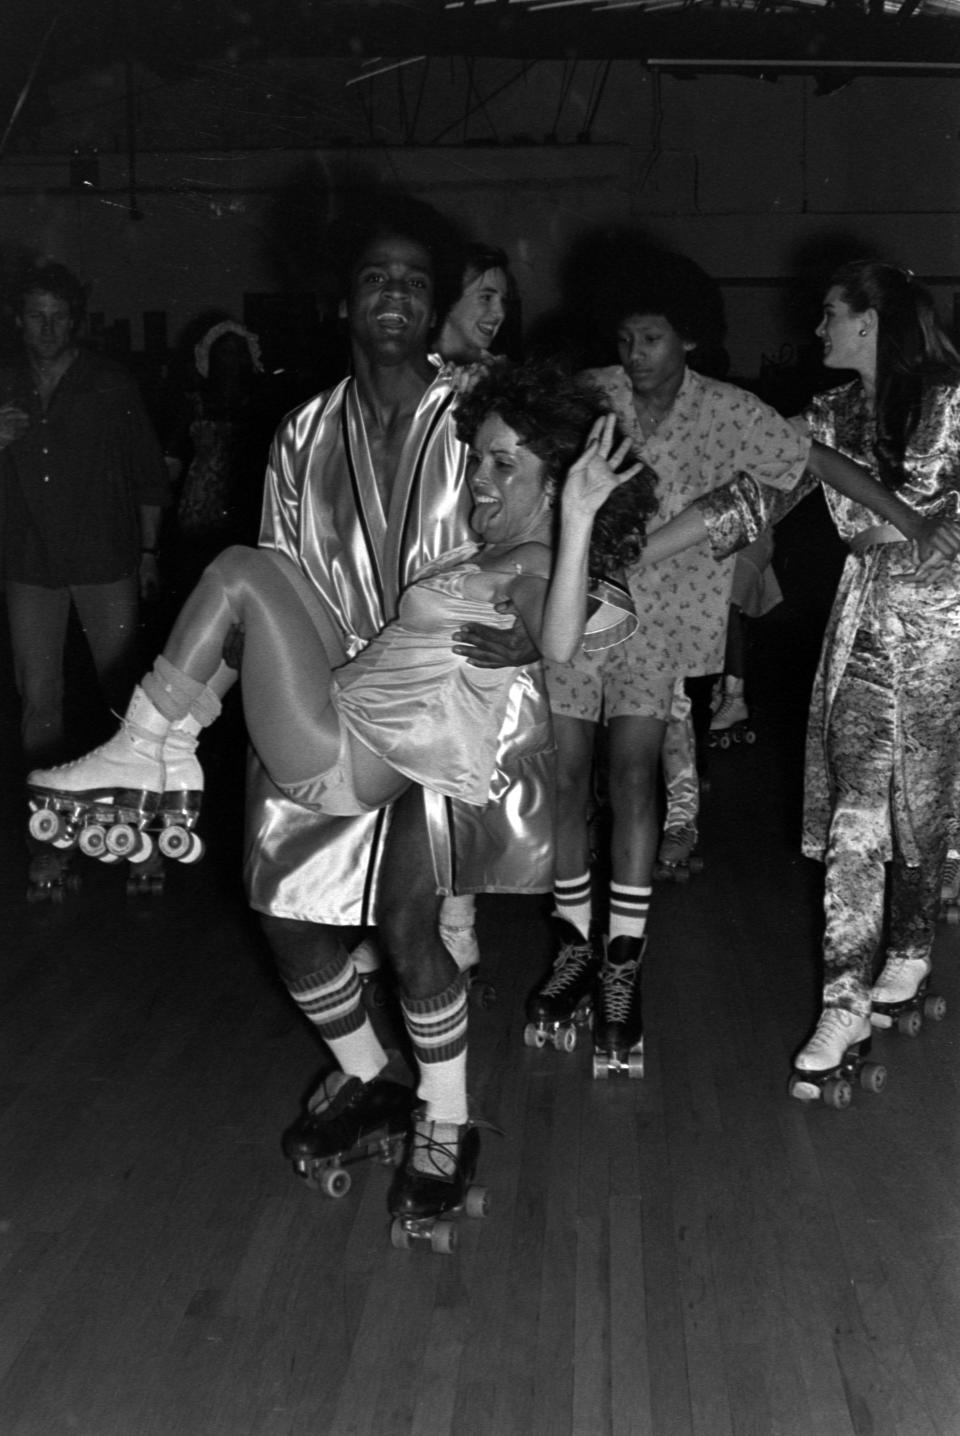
<point x="182" y="793"/>
<point x="833" y="1058"/>
<point x="105" y="800"/>
<point x="900" y="997"/>
<point x="145" y="775"/>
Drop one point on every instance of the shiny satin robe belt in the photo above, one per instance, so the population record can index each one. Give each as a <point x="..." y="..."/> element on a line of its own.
<point x="324" y="510"/>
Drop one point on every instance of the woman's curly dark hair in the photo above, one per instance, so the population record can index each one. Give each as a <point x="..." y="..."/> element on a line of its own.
<point x="551" y="412"/>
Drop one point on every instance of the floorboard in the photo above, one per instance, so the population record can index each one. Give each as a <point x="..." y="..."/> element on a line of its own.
<point x="692" y="1254"/>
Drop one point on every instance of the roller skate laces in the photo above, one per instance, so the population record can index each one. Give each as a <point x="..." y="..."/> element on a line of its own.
<point x="900" y="979"/>
<point x="836" y="1032"/>
<point x="571" y="962"/>
<point x="618" y="982"/>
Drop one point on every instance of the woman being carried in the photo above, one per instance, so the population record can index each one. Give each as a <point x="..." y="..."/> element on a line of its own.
<point x="407" y="708"/>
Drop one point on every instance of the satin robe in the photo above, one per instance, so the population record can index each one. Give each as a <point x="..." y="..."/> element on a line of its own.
<point x="322" y="508"/>
<point x="882" y="770"/>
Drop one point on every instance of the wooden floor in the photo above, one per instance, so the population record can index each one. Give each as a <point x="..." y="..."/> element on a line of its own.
<point x="694" y="1254"/>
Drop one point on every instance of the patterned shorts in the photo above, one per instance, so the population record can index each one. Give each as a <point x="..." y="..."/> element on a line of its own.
<point x="610" y="684"/>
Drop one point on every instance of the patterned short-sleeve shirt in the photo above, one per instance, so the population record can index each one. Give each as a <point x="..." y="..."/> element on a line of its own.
<point x="713" y="432"/>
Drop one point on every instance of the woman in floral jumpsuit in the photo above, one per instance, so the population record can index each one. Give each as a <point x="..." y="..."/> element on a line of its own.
<point x="883" y="742"/>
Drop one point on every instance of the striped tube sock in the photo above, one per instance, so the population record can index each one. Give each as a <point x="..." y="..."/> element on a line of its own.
<point x="628" y="910"/>
<point x="438" y="1031"/>
<point x="332" y="1000"/>
<point x="571" y="898"/>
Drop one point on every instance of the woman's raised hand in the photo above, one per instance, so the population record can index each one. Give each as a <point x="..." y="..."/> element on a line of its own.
<point x="592" y="478"/>
<point x="937" y="545"/>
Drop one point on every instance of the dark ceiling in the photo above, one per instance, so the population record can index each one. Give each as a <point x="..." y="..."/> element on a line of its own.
<point x="48" y="41"/>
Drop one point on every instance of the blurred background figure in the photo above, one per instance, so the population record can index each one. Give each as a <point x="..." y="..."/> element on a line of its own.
<point x="217" y="439"/>
<point x="484" y="320"/>
<point x="82" y="488"/>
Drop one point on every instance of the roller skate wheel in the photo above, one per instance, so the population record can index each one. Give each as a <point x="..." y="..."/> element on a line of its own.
<point x="45" y="825"/>
<point x="635" y="1064"/>
<point x="482" y="995"/>
<point x="723" y="741"/>
<point x="953" y="914"/>
<point x="443" y="1238"/>
<point x="532" y="1036"/>
<point x="910" y="1023"/>
<point x="749" y="736"/>
<point x="335" y="1183"/>
<point x="400" y="1238"/>
<point x="681" y="873"/>
<point x="601" y="1068"/>
<point x="122" y="840"/>
<point x="195" y="851"/>
<point x="476" y="1203"/>
<point x="374" y="992"/>
<point x="142" y="850"/>
<point x="174" y="842"/>
<point x="837" y="1093"/>
<point x="935" y="1008"/>
<point x="93" y="840"/>
<point x="566" y="1039"/>
<point x="873" y="1077"/>
<point x="696" y="864"/>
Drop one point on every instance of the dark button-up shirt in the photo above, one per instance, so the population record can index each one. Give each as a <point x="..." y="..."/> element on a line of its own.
<point x="72" y="485"/>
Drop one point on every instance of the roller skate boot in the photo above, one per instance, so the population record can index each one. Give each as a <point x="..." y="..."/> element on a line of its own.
<point x="678" y="858"/>
<point x="834" y="1057"/>
<point x="436" y="1183"/>
<point x="49" y="878"/>
<point x="618" y="1028"/>
<point x="563" y="1002"/>
<point x="105" y="800"/>
<point x="950" y="889"/>
<point x="349" y="1121"/>
<point x="179" y="806"/>
<point x="730" y="723"/>
<point x="900" y="997"/>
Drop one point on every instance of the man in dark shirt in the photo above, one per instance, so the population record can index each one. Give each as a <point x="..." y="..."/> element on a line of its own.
<point x="82" y="486"/>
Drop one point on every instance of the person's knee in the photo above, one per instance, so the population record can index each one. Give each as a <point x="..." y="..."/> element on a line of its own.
<point x="304" y="949"/>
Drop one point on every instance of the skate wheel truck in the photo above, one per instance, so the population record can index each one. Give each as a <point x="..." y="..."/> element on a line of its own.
<point x="614" y="1061"/>
<point x="329" y="1174"/>
<point x="834" y="1085"/>
<point x="907" y="1015"/>
<point x="733" y="737"/>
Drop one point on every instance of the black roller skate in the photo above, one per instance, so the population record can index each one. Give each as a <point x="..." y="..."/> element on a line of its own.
<point x="350" y="1121"/>
<point x="900" y="997"/>
<point x="834" y="1058"/>
<point x="564" y="1000"/>
<point x="435" y="1184"/>
<point x="618" y="1029"/>
<point x="678" y="859"/>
